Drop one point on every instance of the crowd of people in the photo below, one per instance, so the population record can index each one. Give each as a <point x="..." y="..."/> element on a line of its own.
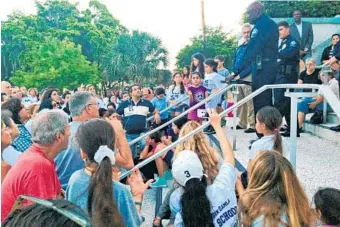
<point x="62" y="153"/>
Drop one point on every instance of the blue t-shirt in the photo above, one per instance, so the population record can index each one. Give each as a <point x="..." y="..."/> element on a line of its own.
<point x="135" y="115"/>
<point x="213" y="81"/>
<point x="160" y="104"/>
<point x="69" y="160"/>
<point x="77" y="193"/>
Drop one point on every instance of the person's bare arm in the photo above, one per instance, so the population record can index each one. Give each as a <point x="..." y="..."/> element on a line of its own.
<point x="300" y="81"/>
<point x="228" y="153"/>
<point x="124" y="155"/>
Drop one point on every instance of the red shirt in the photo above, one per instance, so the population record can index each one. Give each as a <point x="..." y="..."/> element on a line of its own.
<point x="33" y="175"/>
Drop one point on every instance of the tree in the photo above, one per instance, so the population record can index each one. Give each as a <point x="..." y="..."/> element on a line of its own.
<point x="218" y="42"/>
<point x="57" y="63"/>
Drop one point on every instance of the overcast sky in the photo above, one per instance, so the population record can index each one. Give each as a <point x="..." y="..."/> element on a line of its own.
<point x="174" y="21"/>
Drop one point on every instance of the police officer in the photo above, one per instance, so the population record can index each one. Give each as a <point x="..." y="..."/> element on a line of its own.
<point x="261" y="53"/>
<point x="288" y="70"/>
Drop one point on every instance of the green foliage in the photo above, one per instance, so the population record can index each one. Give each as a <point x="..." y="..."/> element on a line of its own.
<point x="310" y="8"/>
<point x="57" y="63"/>
<point x="217" y="43"/>
<point x="89" y="39"/>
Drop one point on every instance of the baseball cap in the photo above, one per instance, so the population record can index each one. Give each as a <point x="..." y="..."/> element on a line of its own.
<point x="187" y="166"/>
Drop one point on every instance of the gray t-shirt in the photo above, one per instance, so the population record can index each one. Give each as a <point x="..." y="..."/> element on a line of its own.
<point x="267" y="143"/>
<point x="221" y="195"/>
<point x="77" y="193"/>
<point x="214" y="81"/>
<point x="223" y="72"/>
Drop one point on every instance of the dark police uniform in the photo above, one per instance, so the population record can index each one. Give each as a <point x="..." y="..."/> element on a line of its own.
<point x="262" y="54"/>
<point x="288" y="73"/>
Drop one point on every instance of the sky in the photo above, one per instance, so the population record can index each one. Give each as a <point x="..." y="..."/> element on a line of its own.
<point x="173" y="21"/>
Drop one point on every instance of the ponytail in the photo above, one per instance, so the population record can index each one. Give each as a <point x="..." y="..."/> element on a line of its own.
<point x="101" y="205"/>
<point x="195" y="204"/>
<point x="278" y="142"/>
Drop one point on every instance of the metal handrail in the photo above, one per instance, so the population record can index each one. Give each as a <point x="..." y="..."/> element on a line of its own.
<point x="335" y="105"/>
<point x="168" y="108"/>
<point x="222" y="90"/>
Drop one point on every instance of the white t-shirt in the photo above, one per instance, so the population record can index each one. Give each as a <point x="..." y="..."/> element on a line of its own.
<point x="299" y="28"/>
<point x="267" y="143"/>
<point x="174" y="93"/>
<point x="213" y="81"/>
<point x="221" y="195"/>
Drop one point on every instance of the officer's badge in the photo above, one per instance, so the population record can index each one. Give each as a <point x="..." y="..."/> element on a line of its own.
<point x="293" y="44"/>
<point x="254" y="33"/>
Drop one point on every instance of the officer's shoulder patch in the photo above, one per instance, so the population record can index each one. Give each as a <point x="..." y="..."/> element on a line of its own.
<point x="293" y="44"/>
<point x="254" y="32"/>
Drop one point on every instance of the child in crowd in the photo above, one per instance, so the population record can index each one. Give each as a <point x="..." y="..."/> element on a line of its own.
<point x="153" y="145"/>
<point x="196" y="203"/>
<point x="197" y="64"/>
<point x="327" y="206"/>
<point x="219" y="59"/>
<point x="213" y="82"/>
<point x="95" y="188"/>
<point x="186" y="76"/>
<point x="197" y="93"/>
<point x="268" y="122"/>
<point x="176" y="94"/>
<point x="274" y="196"/>
<point x="159" y="102"/>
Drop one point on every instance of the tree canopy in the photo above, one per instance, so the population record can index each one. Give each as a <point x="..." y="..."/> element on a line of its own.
<point x="218" y="42"/>
<point x="64" y="47"/>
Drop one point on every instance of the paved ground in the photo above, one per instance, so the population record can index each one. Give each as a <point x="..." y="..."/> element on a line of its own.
<point x="318" y="165"/>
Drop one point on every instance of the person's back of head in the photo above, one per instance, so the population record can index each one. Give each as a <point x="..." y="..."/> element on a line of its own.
<point x="327" y="205"/>
<point x="200" y="145"/>
<point x="48" y="125"/>
<point x="15" y="106"/>
<point x="96" y="139"/>
<point x="272" y="120"/>
<point x="187" y="170"/>
<point x="274" y="191"/>
<point x="78" y="103"/>
<point x="41" y="215"/>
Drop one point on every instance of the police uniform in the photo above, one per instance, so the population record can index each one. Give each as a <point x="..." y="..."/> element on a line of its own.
<point x="288" y="63"/>
<point x="262" y="54"/>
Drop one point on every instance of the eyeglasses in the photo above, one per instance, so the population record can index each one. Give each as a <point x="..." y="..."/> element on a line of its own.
<point x="82" y="221"/>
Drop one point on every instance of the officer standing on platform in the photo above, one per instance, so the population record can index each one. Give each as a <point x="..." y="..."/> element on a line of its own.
<point x="288" y="71"/>
<point x="261" y="53"/>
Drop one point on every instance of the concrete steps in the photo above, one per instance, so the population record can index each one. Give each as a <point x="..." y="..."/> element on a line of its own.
<point x="322" y="131"/>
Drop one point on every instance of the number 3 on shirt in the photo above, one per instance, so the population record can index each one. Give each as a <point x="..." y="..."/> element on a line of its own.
<point x="187" y="174"/>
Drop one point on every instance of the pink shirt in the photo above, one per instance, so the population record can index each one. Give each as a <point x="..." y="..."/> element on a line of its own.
<point x="33" y="175"/>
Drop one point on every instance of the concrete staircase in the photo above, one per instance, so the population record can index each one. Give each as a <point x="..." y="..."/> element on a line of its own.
<point x="322" y="131"/>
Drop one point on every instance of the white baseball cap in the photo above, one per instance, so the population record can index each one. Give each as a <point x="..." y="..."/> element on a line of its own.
<point x="187" y="166"/>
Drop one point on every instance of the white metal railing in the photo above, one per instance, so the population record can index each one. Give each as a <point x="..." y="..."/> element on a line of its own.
<point x="168" y="108"/>
<point x="325" y="90"/>
<point x="221" y="91"/>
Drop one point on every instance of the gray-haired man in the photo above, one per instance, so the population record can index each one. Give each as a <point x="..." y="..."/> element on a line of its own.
<point x="83" y="107"/>
<point x="34" y="173"/>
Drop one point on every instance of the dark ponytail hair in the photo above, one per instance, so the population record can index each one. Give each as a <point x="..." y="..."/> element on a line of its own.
<point x="195" y="204"/>
<point x="101" y="205"/>
<point x="188" y="71"/>
<point x="182" y="89"/>
<point x="272" y="119"/>
<point x="210" y="62"/>
<point x="327" y="201"/>
<point x="200" y="57"/>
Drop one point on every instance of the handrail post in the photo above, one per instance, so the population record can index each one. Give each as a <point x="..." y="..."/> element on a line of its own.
<point x="235" y="94"/>
<point x="293" y="130"/>
<point x="324" y="113"/>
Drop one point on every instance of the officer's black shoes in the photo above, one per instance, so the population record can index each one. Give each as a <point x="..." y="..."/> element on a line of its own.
<point x="335" y="128"/>
<point x="250" y="130"/>
<point x="237" y="127"/>
<point x="287" y="133"/>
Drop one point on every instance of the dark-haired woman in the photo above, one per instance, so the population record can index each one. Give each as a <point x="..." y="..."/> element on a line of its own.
<point x="176" y="94"/>
<point x="197" y="204"/>
<point x="197" y="64"/>
<point x="328" y="51"/>
<point x="20" y="116"/>
<point x="52" y="94"/>
<point x="108" y="202"/>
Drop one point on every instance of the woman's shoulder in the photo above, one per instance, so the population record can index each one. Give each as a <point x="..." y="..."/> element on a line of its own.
<point x="78" y="176"/>
<point x="120" y="189"/>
